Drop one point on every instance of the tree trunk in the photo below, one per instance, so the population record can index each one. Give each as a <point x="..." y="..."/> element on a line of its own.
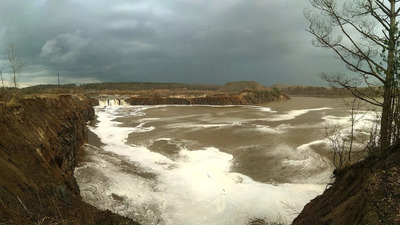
<point x="386" y="121"/>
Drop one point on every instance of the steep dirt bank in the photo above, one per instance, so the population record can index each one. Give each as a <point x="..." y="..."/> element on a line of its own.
<point x="39" y="139"/>
<point x="243" y="98"/>
<point x="366" y="193"/>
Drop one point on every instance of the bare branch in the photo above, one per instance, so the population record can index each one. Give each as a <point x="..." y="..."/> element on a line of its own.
<point x="323" y="33"/>
<point x="340" y="80"/>
<point x="351" y="31"/>
<point x="15" y="63"/>
<point x="381" y="6"/>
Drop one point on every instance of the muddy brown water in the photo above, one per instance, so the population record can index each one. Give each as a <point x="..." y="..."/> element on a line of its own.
<point x="245" y="132"/>
<point x="137" y="154"/>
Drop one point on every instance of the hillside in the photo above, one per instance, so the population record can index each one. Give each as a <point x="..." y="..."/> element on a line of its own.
<point x="367" y="193"/>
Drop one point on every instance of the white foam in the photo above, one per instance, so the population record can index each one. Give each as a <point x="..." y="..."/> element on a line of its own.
<point x="112" y="102"/>
<point x="148" y="119"/>
<point x="362" y="118"/>
<point x="260" y="108"/>
<point x="294" y="113"/>
<point x="268" y="129"/>
<point x="164" y="139"/>
<point x="313" y="168"/>
<point x="196" y="188"/>
<point x="339" y="128"/>
<point x="141" y="129"/>
<point x="195" y="126"/>
<point x="280" y="129"/>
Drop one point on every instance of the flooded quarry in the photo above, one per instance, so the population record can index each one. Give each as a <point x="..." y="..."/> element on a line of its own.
<point x="170" y="164"/>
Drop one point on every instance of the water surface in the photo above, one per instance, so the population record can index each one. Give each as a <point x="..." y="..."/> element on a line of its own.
<point x="209" y="164"/>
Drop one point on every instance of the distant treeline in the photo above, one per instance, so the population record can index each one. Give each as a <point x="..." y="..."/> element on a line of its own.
<point x="139" y="86"/>
<point x="52" y="89"/>
<point x="296" y="90"/>
<point x="120" y="86"/>
<point x="109" y="87"/>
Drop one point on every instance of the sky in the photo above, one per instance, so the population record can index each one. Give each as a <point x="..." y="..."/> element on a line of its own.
<point x="183" y="41"/>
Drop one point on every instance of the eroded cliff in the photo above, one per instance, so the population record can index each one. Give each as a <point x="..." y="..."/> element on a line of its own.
<point x="39" y="140"/>
<point x="245" y="97"/>
<point x="367" y="193"/>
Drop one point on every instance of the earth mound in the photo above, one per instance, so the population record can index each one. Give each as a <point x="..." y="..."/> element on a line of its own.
<point x="241" y="85"/>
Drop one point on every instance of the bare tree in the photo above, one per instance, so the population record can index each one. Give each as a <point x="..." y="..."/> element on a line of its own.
<point x="348" y="143"/>
<point x="2" y="81"/>
<point x="15" y="63"/>
<point x="364" y="35"/>
<point x="3" y="89"/>
<point x="13" y="67"/>
<point x="6" y="94"/>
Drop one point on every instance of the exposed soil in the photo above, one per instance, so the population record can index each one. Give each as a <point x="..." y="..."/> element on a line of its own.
<point x="245" y="97"/>
<point x="39" y="139"/>
<point x="366" y="193"/>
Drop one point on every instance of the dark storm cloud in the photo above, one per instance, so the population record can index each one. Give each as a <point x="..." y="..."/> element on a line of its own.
<point x="188" y="41"/>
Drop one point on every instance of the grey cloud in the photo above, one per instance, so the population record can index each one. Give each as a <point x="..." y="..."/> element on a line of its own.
<point x="65" y="48"/>
<point x="164" y="41"/>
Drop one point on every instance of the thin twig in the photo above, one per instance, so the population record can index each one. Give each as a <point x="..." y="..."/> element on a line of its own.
<point x="23" y="205"/>
<point x="37" y="193"/>
<point x="58" y="210"/>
